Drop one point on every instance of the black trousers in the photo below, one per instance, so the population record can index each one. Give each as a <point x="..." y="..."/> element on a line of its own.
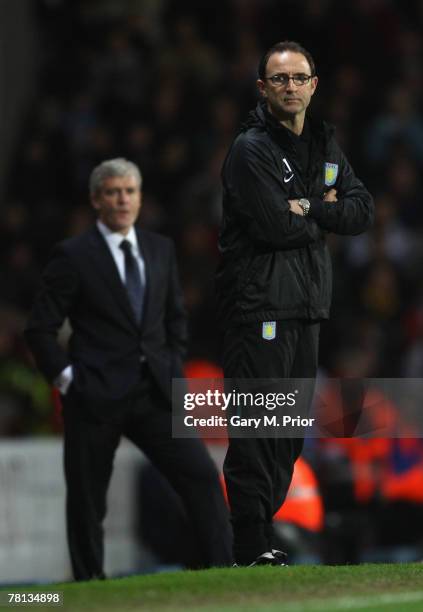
<point x="258" y="471"/>
<point x="89" y="449"/>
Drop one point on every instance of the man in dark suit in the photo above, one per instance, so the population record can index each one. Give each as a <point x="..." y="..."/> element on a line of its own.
<point x="119" y="288"/>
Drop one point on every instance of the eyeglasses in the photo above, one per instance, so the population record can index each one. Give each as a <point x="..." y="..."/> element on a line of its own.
<point x="283" y="79"/>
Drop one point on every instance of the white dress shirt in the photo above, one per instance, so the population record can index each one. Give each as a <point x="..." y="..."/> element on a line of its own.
<point x="113" y="241"/>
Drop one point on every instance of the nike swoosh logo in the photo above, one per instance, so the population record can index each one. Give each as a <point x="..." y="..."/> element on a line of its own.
<point x="286" y="179"/>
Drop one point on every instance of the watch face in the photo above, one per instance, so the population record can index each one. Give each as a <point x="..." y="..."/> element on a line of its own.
<point x="305" y="205"/>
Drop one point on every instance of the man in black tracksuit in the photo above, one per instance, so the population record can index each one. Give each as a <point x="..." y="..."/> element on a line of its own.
<point x="286" y="184"/>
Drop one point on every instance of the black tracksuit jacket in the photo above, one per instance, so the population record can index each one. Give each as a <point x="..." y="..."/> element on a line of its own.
<point x="276" y="264"/>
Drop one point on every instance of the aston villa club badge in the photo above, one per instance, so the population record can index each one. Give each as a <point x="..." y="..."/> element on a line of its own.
<point x="331" y="174"/>
<point x="269" y="330"/>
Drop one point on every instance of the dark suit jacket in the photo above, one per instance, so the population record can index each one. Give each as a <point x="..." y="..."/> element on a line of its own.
<point x="81" y="282"/>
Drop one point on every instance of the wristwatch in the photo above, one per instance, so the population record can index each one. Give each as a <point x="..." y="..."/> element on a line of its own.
<point x="305" y="205"/>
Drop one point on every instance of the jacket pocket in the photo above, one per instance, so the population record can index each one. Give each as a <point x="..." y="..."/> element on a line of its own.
<point x="250" y="272"/>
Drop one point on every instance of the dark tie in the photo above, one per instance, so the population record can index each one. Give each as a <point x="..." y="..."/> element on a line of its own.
<point x="133" y="280"/>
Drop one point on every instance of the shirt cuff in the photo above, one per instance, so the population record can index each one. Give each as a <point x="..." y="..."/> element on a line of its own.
<point x="64" y="380"/>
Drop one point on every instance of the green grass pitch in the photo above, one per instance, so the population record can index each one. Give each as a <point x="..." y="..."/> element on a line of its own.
<point x="396" y="587"/>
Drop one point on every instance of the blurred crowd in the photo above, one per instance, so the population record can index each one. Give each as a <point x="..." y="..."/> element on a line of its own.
<point x="166" y="83"/>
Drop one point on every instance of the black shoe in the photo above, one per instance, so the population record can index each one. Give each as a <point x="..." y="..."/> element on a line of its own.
<point x="276" y="557"/>
<point x="281" y="556"/>
<point x="264" y="559"/>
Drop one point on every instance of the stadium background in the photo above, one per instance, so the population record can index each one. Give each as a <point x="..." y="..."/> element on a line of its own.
<point x="167" y="83"/>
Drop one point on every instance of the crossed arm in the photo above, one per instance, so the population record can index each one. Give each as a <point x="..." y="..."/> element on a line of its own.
<point x="294" y="207"/>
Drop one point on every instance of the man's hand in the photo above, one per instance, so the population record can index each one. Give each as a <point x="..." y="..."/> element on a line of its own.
<point x="330" y="196"/>
<point x="295" y="207"/>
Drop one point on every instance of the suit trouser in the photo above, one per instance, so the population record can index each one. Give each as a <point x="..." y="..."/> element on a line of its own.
<point x="258" y="470"/>
<point x="90" y="446"/>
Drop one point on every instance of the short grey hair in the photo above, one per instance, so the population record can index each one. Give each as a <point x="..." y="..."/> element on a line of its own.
<point x="113" y="167"/>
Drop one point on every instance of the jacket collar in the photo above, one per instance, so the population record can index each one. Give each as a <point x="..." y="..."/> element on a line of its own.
<point x="260" y="118"/>
<point x="114" y="239"/>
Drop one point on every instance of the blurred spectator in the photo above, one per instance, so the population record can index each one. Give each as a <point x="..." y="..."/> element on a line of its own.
<point x="398" y="125"/>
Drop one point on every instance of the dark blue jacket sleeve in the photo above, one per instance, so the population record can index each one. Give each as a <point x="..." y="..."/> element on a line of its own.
<point x="353" y="213"/>
<point x="53" y="303"/>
